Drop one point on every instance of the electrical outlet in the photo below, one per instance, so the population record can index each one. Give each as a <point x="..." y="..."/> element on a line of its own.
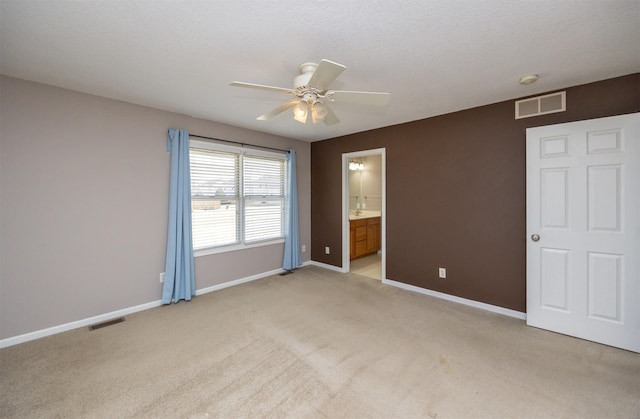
<point x="161" y="277"/>
<point x="442" y="272"/>
<point x="327" y="250"/>
<point x="304" y="248"/>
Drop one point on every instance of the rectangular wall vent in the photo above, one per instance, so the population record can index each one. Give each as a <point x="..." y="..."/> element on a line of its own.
<point x="541" y="105"/>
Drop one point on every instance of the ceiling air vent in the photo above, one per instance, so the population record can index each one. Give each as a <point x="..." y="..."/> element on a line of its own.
<point x="541" y="105"/>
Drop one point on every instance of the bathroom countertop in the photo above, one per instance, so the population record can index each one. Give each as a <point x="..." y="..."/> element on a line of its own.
<point x="364" y="214"/>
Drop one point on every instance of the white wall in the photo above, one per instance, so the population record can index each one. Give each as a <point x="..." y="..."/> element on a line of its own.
<point x="84" y="183"/>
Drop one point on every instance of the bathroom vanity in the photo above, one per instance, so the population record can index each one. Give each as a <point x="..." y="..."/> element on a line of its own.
<point x="364" y="234"/>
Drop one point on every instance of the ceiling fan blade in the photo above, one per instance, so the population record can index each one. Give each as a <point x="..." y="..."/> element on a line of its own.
<point x="331" y="118"/>
<point x="365" y="98"/>
<point x="261" y="87"/>
<point x="326" y="72"/>
<point x="278" y="110"/>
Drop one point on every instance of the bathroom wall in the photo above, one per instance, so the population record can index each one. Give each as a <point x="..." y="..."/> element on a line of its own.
<point x="365" y="186"/>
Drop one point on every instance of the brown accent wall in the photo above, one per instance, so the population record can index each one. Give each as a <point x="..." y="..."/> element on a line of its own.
<point x="455" y="193"/>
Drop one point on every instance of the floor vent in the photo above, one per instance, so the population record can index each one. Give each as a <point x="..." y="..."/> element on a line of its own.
<point x="541" y="105"/>
<point x="106" y="324"/>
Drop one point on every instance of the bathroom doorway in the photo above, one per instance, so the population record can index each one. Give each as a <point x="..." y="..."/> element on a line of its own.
<point x="364" y="213"/>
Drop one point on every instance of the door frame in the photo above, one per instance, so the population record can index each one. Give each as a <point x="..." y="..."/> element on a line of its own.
<point x="346" y="261"/>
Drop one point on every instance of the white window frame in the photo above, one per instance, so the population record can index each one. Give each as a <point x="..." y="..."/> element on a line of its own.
<point x="240" y="151"/>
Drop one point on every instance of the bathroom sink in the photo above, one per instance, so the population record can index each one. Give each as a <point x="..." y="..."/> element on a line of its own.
<point x="363" y="214"/>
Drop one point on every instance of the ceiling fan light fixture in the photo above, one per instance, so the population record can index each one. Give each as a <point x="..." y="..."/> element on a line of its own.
<point x="321" y="110"/>
<point x="300" y="112"/>
<point x="318" y="111"/>
<point x="311" y="95"/>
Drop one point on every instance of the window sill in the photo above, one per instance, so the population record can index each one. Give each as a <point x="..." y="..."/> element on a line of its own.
<point x="233" y="248"/>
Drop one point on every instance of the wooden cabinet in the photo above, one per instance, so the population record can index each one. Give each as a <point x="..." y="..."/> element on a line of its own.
<point x="373" y="235"/>
<point x="364" y="237"/>
<point x="352" y="240"/>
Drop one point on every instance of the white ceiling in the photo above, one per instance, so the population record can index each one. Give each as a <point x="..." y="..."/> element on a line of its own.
<point x="434" y="57"/>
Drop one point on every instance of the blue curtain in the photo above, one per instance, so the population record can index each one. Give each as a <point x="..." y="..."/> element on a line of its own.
<point x="292" y="257"/>
<point x="179" y="279"/>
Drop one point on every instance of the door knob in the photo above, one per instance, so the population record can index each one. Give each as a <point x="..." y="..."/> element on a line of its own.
<point x="535" y="237"/>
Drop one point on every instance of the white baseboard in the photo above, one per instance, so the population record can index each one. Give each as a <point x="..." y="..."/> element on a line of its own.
<point x="224" y="285"/>
<point x="327" y="266"/>
<point x="74" y="325"/>
<point x="15" y="340"/>
<point x="477" y="304"/>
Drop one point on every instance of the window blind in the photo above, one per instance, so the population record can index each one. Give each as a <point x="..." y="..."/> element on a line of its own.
<point x="264" y="197"/>
<point x="215" y="192"/>
<point x="237" y="197"/>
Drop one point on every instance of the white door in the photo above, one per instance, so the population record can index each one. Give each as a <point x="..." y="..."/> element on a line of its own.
<point x="583" y="229"/>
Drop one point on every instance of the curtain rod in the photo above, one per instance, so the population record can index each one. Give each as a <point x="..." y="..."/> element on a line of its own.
<point x="236" y="142"/>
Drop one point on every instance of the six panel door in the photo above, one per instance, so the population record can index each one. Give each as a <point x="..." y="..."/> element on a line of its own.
<point x="583" y="229"/>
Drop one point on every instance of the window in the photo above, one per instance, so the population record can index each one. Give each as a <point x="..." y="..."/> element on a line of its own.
<point x="237" y="196"/>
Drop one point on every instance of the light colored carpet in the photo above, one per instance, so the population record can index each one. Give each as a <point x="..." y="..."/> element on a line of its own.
<point x="317" y="344"/>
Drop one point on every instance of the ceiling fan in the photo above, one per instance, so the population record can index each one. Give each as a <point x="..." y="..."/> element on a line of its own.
<point x="311" y="93"/>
